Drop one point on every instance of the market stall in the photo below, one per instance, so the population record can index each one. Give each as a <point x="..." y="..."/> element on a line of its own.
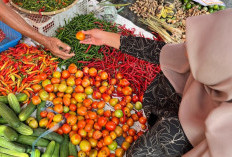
<point x="90" y="104"/>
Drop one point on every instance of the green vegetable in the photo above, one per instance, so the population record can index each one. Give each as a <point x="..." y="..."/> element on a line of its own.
<point x="39" y="109"/>
<point x="67" y="34"/>
<point x="8" y="133"/>
<point x="3" y="121"/>
<point x="24" y="129"/>
<point x="21" y="97"/>
<point x="211" y="10"/>
<point x="29" y="140"/>
<point x="72" y="149"/>
<point x="14" y="103"/>
<point x="188" y="6"/>
<point x="50" y="149"/>
<point x="51" y="136"/>
<point x="5" y="155"/>
<point x="12" y="146"/>
<point x="12" y="152"/>
<point x="56" y="151"/>
<point x="222" y="7"/>
<point x="216" y="7"/>
<point x="27" y="111"/>
<point x="37" y="153"/>
<point x="64" y="147"/>
<point x="9" y="115"/>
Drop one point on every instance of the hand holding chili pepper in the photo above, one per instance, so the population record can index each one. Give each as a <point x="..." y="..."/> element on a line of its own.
<point x="58" y="48"/>
<point x="99" y="37"/>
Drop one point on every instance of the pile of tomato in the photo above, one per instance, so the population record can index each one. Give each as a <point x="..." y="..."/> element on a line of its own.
<point x="97" y="107"/>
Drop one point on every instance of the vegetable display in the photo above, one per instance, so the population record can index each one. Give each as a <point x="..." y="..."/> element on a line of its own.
<point x="43" y="5"/>
<point x="82" y="52"/>
<point x="2" y="35"/>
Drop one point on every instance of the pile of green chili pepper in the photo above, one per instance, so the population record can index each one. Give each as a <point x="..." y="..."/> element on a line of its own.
<point x="43" y="5"/>
<point x="82" y="52"/>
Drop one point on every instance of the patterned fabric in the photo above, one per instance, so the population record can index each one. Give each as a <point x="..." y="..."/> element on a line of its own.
<point x="166" y="138"/>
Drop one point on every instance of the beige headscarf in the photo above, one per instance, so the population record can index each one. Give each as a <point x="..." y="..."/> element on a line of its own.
<point x="204" y="79"/>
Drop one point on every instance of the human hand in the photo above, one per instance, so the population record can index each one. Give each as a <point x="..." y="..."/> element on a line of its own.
<point x="58" y="48"/>
<point x="94" y="37"/>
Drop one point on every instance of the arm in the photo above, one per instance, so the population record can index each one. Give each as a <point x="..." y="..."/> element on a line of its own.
<point x="139" y="47"/>
<point x="12" y="19"/>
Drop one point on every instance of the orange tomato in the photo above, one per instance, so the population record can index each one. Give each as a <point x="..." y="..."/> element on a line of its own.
<point x="97" y="83"/>
<point x="55" y="80"/>
<point x="79" y="74"/>
<point x="66" y="128"/>
<point x="73" y="107"/>
<point x="57" y="101"/>
<point x="142" y="120"/>
<point x="43" y="114"/>
<point x="72" y="68"/>
<point x="130" y="122"/>
<point x="43" y="76"/>
<point x="79" y="89"/>
<point x="119" y="152"/>
<point x="36" y="100"/>
<point x="72" y="119"/>
<point x="59" y="108"/>
<point x="101" y="104"/>
<point x="129" y="139"/>
<point x="113" y="135"/>
<point x="105" y="133"/>
<point x="50" y="115"/>
<point x="115" y="120"/>
<point x="87" y="102"/>
<point x="60" y="94"/>
<point x="65" y="74"/>
<point x="92" y="115"/>
<point x="81" y="124"/>
<point x="66" y="101"/>
<point x="51" y="96"/>
<point x="88" y="127"/>
<point x="36" y="88"/>
<point x="80" y="36"/>
<point x="104" y="75"/>
<point x="92" y="72"/>
<point x="49" y="88"/>
<point x="117" y="107"/>
<point x="82" y="111"/>
<point x="104" y="152"/>
<point x="107" y="140"/>
<point x="97" y="134"/>
<point x="132" y="132"/>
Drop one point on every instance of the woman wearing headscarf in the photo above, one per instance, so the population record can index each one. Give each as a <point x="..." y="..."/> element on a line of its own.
<point x="192" y="95"/>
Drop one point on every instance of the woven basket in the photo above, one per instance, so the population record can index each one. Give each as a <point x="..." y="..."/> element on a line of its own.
<point x="43" y="13"/>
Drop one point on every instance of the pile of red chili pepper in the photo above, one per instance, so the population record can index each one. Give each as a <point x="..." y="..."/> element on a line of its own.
<point x="20" y="67"/>
<point x="2" y="35"/>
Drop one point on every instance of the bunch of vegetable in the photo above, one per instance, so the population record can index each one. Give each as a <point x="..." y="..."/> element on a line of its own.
<point x="43" y="5"/>
<point x="82" y="52"/>
<point x="102" y="113"/>
<point x="2" y="35"/>
<point x="20" y="66"/>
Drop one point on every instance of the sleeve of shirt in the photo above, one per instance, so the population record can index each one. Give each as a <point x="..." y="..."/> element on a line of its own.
<point x="142" y="48"/>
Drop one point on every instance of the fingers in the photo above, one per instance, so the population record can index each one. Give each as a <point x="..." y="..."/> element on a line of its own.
<point x="64" y="46"/>
<point x="88" y="32"/>
<point x="63" y="54"/>
<point x="87" y="41"/>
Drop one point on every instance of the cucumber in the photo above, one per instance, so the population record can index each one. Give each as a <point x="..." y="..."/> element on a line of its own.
<point x="64" y="147"/>
<point x="27" y="111"/>
<point x="12" y="152"/>
<point x="21" y="97"/>
<point x="50" y="149"/>
<point x="8" y="133"/>
<point x="24" y="129"/>
<point x="9" y="115"/>
<point x="51" y="136"/>
<point x="39" y="109"/>
<point x="29" y="140"/>
<point x="14" y="103"/>
<point x="72" y="149"/>
<point x="5" y="155"/>
<point x="12" y="146"/>
<point x="37" y="153"/>
<point x="3" y="121"/>
<point x="56" y="151"/>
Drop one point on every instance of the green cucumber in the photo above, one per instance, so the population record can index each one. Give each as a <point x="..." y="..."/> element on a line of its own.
<point x="3" y="121"/>
<point x="9" y="115"/>
<point x="37" y="153"/>
<point x="14" y="103"/>
<point x="24" y="129"/>
<point x="29" y="140"/>
<point x="56" y="152"/>
<point x="50" y="149"/>
<point x="12" y="152"/>
<point x="72" y="149"/>
<point x="12" y="146"/>
<point x="51" y="136"/>
<point x="26" y="112"/>
<point x="21" y="97"/>
<point x="5" y="155"/>
<point x="64" y="147"/>
<point x="40" y="107"/>
<point x="8" y="133"/>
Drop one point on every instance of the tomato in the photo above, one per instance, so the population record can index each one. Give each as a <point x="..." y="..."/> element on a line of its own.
<point x="57" y="118"/>
<point x="62" y="88"/>
<point x="89" y="90"/>
<point x="125" y="145"/>
<point x="105" y="133"/>
<point x="86" y="70"/>
<point x="100" y="111"/>
<point x="138" y="105"/>
<point x="96" y="126"/>
<point x="43" y="122"/>
<point x="118" y="130"/>
<point x="101" y="104"/>
<point x="82" y="111"/>
<point x="115" y="120"/>
<point x="66" y="128"/>
<point x="71" y="81"/>
<point x="102" y="121"/>
<point x="80" y="97"/>
<point x="102" y="89"/>
<point x="43" y="76"/>
<point x="130" y="122"/>
<point x="140" y="133"/>
<point x="51" y="96"/>
<point x="118" y="113"/>
<point x="105" y="83"/>
<point x="97" y="134"/>
<point x="92" y="153"/>
<point x="36" y="100"/>
<point x="113" y="81"/>
<point x="59" y="108"/>
<point x="43" y="114"/>
<point x="141" y="98"/>
<point x="125" y="127"/>
<point x="81" y="154"/>
<point x="92" y="72"/>
<point x="136" y="137"/>
<point x="50" y="115"/>
<point x="107" y="140"/>
<point x="87" y="102"/>
<point x="119" y="152"/>
<point x="140" y="114"/>
<point x="100" y="144"/>
<point x="57" y="101"/>
<point x="52" y="126"/>
<point x="132" y="132"/>
<point x="80" y="35"/>
<point x="74" y="127"/>
<point x="88" y="127"/>
<point x="124" y="82"/>
<point x="119" y="76"/>
<point x="110" y="126"/>
<point x="82" y="132"/>
<point x="75" y="139"/>
<point x="73" y="107"/>
<point x="72" y="119"/>
<point x="56" y="86"/>
<point x="92" y="115"/>
<point x="96" y="95"/>
<point x="36" y="88"/>
<point x="72" y="69"/>
<point x="129" y="139"/>
<point x="85" y="146"/>
<point x="104" y="152"/>
<point x="135" y="98"/>
<point x="65" y="74"/>
<point x="113" y="145"/>
<point x="135" y="117"/>
<point x="43" y="95"/>
<point x="106" y="97"/>
<point x="46" y="82"/>
<point x="93" y="142"/>
<point x="103" y="75"/>
<point x="85" y="82"/>
<point x="60" y="94"/>
<point x="81" y="124"/>
<point x="79" y="89"/>
<point x="60" y="131"/>
<point x="33" y="124"/>
<point x="97" y="83"/>
<point x="142" y="120"/>
<point x="143" y="127"/>
<point x="127" y="99"/>
<point x="127" y="90"/>
<point x="107" y="113"/>
<point x="69" y="90"/>
<point x="113" y="135"/>
<point x="90" y="133"/>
